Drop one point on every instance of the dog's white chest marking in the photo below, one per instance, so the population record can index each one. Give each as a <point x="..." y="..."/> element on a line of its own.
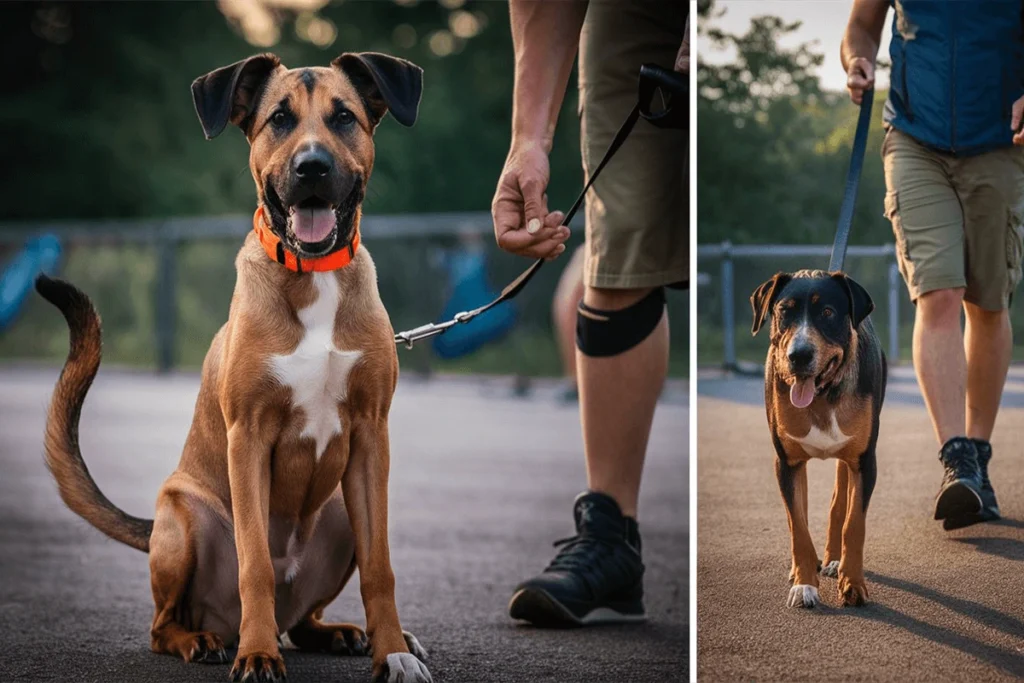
<point x="317" y="370"/>
<point x="821" y="443"/>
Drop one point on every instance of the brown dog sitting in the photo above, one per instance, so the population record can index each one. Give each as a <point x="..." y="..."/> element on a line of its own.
<point x="825" y="381"/>
<point x="282" y="489"/>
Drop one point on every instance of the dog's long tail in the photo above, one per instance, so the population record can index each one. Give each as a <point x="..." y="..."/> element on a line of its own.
<point x="63" y="457"/>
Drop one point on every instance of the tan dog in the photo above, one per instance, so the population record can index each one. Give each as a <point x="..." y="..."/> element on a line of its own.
<point x="282" y="489"/>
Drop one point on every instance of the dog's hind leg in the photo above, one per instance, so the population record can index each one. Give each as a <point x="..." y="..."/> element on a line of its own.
<point x="793" y="483"/>
<point x="313" y="635"/>
<point x="172" y="563"/>
<point x="852" y="586"/>
<point x="836" y="520"/>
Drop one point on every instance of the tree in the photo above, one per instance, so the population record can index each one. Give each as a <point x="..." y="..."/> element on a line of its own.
<point x="773" y="148"/>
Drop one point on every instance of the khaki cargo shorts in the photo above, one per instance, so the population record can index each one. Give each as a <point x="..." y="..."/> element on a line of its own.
<point x="956" y="220"/>
<point x="638" y="210"/>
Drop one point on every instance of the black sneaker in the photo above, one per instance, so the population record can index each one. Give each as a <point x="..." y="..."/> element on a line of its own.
<point x="989" y="507"/>
<point x="960" y="494"/>
<point x="596" y="577"/>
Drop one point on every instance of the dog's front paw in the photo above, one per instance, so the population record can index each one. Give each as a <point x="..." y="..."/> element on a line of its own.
<point x="854" y="593"/>
<point x="258" y="667"/>
<point x="802" y="595"/>
<point x="831" y="569"/>
<point x="402" y="667"/>
<point x="414" y="646"/>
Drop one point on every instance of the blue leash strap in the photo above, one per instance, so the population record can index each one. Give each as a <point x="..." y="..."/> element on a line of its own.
<point x="860" y="143"/>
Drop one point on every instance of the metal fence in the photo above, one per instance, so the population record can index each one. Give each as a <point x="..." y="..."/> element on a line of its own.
<point x="728" y="274"/>
<point x="165" y="237"/>
<point x="163" y="287"/>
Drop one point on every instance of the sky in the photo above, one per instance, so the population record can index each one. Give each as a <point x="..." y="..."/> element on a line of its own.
<point x="823" y="21"/>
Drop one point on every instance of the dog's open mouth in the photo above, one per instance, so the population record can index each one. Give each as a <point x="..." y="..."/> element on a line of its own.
<point x="312" y="227"/>
<point x="805" y="388"/>
<point x="313" y="223"/>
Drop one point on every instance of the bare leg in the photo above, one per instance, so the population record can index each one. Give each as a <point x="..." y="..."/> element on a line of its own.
<point x="940" y="362"/>
<point x="563" y="311"/>
<point x="618" y="395"/>
<point x="988" y="343"/>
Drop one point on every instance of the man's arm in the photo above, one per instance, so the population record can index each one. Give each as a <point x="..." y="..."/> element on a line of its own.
<point x="546" y="37"/>
<point x="860" y="45"/>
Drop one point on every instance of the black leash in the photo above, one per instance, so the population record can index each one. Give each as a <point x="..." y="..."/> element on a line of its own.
<point x="675" y="90"/>
<point x="860" y="143"/>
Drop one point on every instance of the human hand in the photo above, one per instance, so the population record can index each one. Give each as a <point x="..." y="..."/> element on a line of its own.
<point x="1017" y="112"/>
<point x="683" y="58"/>
<point x="860" y="76"/>
<point x="522" y="223"/>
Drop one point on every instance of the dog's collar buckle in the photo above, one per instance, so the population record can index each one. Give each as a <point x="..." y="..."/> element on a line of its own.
<point x="275" y="249"/>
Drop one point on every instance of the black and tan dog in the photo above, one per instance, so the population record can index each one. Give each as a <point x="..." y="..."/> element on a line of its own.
<point x="282" y="489"/>
<point x="824" y="384"/>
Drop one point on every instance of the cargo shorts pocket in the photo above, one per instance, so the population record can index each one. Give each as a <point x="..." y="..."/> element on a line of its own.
<point x="1014" y="250"/>
<point x="892" y="212"/>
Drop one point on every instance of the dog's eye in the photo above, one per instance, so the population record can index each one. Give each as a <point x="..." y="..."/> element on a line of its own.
<point x="343" y="118"/>
<point x="280" y="118"/>
<point x="828" y="312"/>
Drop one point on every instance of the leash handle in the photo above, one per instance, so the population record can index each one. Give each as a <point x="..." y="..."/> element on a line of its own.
<point x="860" y="143"/>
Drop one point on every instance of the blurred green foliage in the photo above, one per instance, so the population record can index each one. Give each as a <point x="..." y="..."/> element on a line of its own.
<point x="97" y="122"/>
<point x="102" y="122"/>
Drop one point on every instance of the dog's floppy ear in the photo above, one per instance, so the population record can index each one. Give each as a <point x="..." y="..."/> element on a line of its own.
<point x="385" y="83"/>
<point x="764" y="296"/>
<point x="229" y="93"/>
<point x="861" y="304"/>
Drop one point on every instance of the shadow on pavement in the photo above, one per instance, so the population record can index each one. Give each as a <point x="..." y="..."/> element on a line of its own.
<point x="1007" y="660"/>
<point x="1007" y="548"/>
<point x="1012" y="626"/>
<point x="1012" y="523"/>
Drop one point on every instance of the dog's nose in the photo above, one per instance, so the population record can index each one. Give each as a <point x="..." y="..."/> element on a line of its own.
<point x="312" y="164"/>
<point x="800" y="357"/>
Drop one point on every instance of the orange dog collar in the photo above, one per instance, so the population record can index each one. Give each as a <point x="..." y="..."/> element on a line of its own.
<point x="276" y="250"/>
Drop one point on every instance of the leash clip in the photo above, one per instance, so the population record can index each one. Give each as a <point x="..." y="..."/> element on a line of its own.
<point x="410" y="337"/>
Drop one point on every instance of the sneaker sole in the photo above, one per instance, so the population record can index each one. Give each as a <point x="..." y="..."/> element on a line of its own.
<point x="957" y="500"/>
<point x="540" y="609"/>
<point x="987" y="514"/>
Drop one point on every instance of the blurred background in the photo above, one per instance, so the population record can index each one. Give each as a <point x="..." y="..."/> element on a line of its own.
<point x="104" y="157"/>
<point x="774" y="139"/>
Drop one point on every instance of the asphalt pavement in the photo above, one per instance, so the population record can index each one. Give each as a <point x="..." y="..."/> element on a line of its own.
<point x="481" y="483"/>
<point x="944" y="606"/>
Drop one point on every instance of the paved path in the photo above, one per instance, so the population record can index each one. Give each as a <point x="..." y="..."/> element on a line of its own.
<point x="944" y="606"/>
<point x="481" y="485"/>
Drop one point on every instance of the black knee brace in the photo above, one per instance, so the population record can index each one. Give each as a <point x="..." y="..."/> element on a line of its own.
<point x="609" y="333"/>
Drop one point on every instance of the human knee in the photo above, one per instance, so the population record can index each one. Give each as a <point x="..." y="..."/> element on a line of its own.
<point x="984" y="317"/>
<point x="941" y="307"/>
<point x="610" y="322"/>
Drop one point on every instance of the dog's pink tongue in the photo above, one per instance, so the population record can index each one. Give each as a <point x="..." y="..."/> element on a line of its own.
<point x="313" y="225"/>
<point x="801" y="394"/>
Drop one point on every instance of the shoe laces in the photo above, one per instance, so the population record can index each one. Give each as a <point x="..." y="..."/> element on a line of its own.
<point x="588" y="554"/>
<point x="960" y="464"/>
